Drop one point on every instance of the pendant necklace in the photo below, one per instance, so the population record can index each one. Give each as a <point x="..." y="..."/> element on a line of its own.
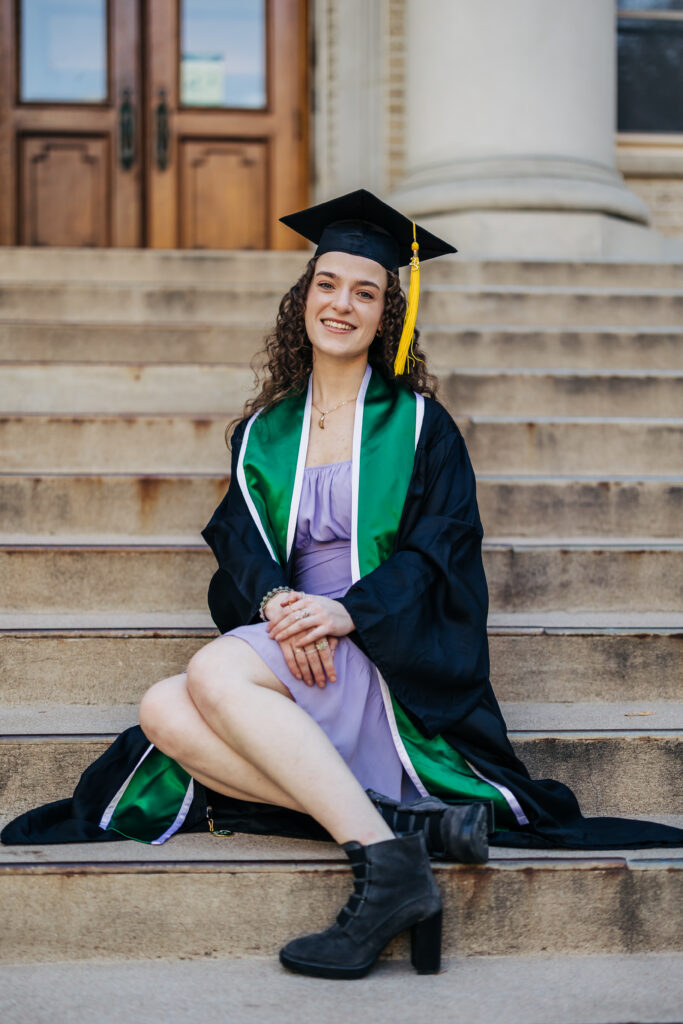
<point x="321" y="421"/>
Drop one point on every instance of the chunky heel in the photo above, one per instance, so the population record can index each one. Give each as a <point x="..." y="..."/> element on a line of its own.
<point x="425" y="945"/>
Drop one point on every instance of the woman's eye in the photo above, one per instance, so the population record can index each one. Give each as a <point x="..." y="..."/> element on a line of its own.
<point x="325" y="284"/>
<point x="366" y="295"/>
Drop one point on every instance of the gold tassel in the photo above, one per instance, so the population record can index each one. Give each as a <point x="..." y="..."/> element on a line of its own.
<point x="406" y="343"/>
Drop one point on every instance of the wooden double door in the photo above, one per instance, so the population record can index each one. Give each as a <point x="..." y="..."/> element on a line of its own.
<point x="160" y="123"/>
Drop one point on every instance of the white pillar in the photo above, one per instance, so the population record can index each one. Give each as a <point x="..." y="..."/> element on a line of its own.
<point x="349" y="115"/>
<point x="510" y="129"/>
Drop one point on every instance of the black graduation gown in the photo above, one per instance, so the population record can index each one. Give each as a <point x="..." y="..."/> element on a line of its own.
<point x="421" y="618"/>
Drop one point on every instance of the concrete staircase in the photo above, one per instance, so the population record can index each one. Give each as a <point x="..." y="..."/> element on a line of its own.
<point x="120" y="370"/>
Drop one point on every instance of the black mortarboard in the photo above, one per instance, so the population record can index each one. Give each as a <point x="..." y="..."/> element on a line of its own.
<point x="361" y="224"/>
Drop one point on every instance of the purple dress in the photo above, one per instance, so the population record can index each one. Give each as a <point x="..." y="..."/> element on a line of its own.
<point x="351" y="710"/>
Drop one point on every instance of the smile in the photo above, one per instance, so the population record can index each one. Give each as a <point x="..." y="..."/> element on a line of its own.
<point x="338" y="325"/>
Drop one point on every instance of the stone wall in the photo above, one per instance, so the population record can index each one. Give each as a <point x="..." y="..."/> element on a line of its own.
<point x="653" y="168"/>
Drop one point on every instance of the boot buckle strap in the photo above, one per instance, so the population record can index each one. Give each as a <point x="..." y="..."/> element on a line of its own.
<point x="350" y="912"/>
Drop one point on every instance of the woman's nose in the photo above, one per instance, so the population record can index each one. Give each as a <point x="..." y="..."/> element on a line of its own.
<point x="342" y="299"/>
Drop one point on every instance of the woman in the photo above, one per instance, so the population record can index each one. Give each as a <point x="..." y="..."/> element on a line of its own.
<point x="352" y="600"/>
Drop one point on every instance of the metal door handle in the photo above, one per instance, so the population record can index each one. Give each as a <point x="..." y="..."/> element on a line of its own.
<point x="162" y="131"/>
<point x="126" y="131"/>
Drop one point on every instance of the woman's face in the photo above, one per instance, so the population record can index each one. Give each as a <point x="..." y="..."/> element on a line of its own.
<point x="344" y="304"/>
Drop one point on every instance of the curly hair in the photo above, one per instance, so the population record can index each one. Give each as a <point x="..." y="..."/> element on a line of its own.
<point x="283" y="366"/>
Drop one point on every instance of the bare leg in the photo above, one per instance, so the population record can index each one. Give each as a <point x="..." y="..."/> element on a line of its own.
<point x="252" y="713"/>
<point x="172" y="722"/>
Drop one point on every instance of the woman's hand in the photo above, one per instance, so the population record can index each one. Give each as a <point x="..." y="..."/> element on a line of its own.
<point x="307" y="661"/>
<point x="279" y="605"/>
<point x="310" y="664"/>
<point x="310" y="617"/>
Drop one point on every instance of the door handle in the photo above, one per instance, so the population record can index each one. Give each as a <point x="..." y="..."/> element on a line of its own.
<point x="126" y="131"/>
<point x="162" y="133"/>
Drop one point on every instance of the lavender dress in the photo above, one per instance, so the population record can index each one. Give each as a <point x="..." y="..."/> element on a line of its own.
<point x="350" y="711"/>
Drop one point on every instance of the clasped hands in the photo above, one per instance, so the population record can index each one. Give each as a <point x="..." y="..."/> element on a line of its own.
<point x="307" y="628"/>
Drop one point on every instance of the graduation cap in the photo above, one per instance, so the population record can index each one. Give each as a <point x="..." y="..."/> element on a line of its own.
<point x="361" y="224"/>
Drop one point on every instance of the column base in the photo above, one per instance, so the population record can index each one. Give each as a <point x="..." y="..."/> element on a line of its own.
<point x="541" y="234"/>
<point x="520" y="183"/>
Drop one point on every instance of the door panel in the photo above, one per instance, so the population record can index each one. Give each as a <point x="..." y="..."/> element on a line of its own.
<point x="63" y="190"/>
<point x="231" y="171"/>
<point x="65" y="81"/>
<point x="213" y="214"/>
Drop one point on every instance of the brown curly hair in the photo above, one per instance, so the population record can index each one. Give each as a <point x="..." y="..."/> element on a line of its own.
<point x="283" y="366"/>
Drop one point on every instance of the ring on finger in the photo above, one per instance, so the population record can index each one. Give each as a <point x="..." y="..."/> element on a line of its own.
<point x="322" y="645"/>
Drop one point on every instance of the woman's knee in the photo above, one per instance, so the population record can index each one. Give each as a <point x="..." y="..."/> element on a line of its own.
<point x="162" y="714"/>
<point x="213" y="675"/>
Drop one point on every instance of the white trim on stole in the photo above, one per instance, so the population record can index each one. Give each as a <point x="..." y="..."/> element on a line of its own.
<point x="242" y="481"/>
<point x="300" y="465"/>
<point x="113" y="803"/>
<point x="355" y="567"/>
<point x="355" y="472"/>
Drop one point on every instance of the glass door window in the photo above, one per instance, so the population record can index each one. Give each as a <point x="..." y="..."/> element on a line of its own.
<point x="223" y="54"/>
<point x="63" y="52"/>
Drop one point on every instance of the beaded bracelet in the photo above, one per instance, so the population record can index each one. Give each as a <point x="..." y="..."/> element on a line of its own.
<point x="266" y="598"/>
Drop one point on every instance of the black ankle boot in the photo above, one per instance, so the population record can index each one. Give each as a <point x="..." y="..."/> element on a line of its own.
<point x="393" y="889"/>
<point x="454" y="831"/>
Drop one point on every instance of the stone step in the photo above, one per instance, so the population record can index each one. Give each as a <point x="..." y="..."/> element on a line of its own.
<point x="572" y="274"/>
<point x="567" y="719"/>
<point x="502" y="444"/>
<point x="65" y="505"/>
<point x="83" y="388"/>
<point x="566" y="506"/>
<point x="618" y="348"/>
<point x="68" y="506"/>
<point x="522" y="574"/>
<point x="479" y="392"/>
<point x="564" y="989"/>
<point x="550" y="305"/>
<point x="150" y="343"/>
<point x="564" y="719"/>
<point x="182" y="265"/>
<point x="73" y="388"/>
<point x="553" y="445"/>
<point x="119" y="900"/>
<point x="456" y="348"/>
<point x="551" y="347"/>
<point x="555" y="664"/>
<point x="616" y="760"/>
<point x="256" y="304"/>
<point x="142" y="302"/>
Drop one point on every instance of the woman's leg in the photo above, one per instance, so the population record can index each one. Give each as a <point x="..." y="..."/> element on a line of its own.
<point x="276" y="751"/>
<point x="171" y="721"/>
<point x="262" y="741"/>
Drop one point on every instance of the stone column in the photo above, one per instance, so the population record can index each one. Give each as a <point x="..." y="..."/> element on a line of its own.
<point x="510" y="130"/>
<point x="349" y="115"/>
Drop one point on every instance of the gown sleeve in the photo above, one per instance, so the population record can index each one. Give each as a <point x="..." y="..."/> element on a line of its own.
<point x="246" y="571"/>
<point x="421" y="615"/>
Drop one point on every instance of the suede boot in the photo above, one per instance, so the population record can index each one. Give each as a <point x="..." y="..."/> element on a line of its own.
<point x="393" y="889"/>
<point x="455" y="832"/>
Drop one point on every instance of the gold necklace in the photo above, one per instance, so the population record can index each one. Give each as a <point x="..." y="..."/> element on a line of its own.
<point x="321" y="421"/>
